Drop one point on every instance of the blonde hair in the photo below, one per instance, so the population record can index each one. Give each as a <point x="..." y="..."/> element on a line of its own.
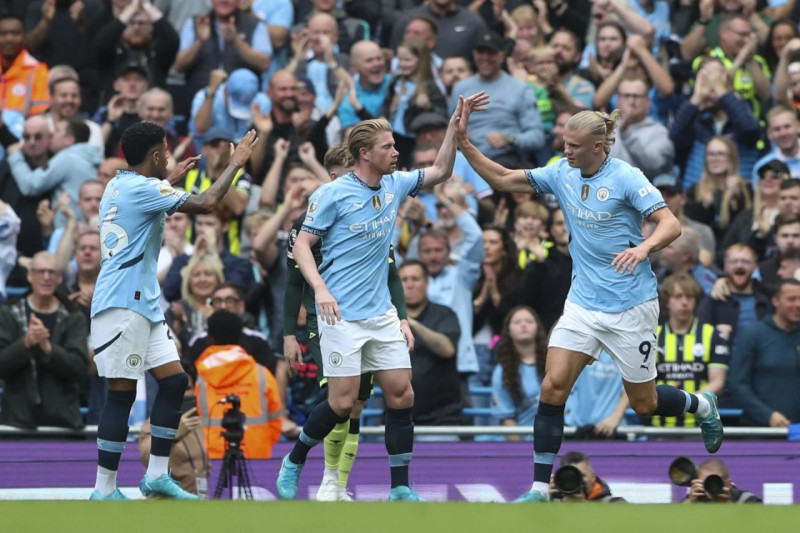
<point x="337" y="157"/>
<point x="708" y="185"/>
<point x="532" y="209"/>
<point x="212" y="261"/>
<point x="365" y="135"/>
<point x="526" y="13"/>
<point x="598" y="124"/>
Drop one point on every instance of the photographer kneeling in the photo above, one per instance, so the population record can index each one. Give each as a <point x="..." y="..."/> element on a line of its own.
<point x="575" y="481"/>
<point x="712" y="483"/>
<point x="223" y="369"/>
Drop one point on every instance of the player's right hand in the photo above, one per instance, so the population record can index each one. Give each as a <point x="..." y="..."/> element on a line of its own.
<point x="292" y="353"/>
<point x="242" y="152"/>
<point x="328" y="307"/>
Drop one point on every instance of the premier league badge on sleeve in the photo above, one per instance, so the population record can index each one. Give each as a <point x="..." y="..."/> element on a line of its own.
<point x="313" y="206"/>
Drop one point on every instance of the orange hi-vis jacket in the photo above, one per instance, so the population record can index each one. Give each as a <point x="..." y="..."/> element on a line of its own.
<point x="228" y="369"/>
<point x="23" y="87"/>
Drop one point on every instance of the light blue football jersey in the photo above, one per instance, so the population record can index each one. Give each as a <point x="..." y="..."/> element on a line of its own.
<point x="356" y="223"/>
<point x="132" y="213"/>
<point x="604" y="215"/>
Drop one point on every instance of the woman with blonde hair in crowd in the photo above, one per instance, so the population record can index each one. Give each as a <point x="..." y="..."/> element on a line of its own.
<point x="199" y="279"/>
<point x="721" y="192"/>
<point x="524" y="23"/>
<point x="412" y="91"/>
<point x="755" y="225"/>
<point x="516" y="380"/>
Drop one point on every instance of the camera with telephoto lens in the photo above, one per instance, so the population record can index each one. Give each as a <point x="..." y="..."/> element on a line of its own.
<point x="569" y="480"/>
<point x="233" y="421"/>
<point x="682" y="471"/>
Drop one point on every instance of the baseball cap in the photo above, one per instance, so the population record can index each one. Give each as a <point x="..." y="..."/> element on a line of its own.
<point x="490" y="40"/>
<point x="307" y="84"/>
<point x="242" y="88"/>
<point x="427" y="119"/>
<point x="667" y="181"/>
<point x="131" y="67"/>
<point x="216" y="133"/>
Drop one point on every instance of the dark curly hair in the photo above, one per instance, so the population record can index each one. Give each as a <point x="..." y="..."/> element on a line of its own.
<point x="138" y="139"/>
<point x="509" y="358"/>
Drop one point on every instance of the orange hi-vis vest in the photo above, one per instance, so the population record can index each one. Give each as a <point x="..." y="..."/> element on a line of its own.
<point x="23" y="87"/>
<point x="223" y="370"/>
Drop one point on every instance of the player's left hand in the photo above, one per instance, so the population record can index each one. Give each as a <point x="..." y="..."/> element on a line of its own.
<point x="328" y="307"/>
<point x="625" y="262"/>
<point x="405" y="327"/>
<point x="182" y="168"/>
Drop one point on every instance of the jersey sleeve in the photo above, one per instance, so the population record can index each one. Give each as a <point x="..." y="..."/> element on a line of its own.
<point x="244" y="183"/>
<point x="153" y="196"/>
<point x="408" y="183"/>
<point x="321" y="211"/>
<point x="293" y="233"/>
<point x="542" y="178"/>
<point x="643" y="195"/>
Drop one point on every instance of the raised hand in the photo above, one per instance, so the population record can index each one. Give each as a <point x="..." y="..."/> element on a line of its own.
<point x="242" y="152"/>
<point x="202" y="28"/>
<point x="306" y="152"/>
<point x="182" y="168"/>
<point x="263" y="123"/>
<point x="76" y="11"/>
<point x="477" y="102"/>
<point x="49" y="10"/>
<point x="295" y="198"/>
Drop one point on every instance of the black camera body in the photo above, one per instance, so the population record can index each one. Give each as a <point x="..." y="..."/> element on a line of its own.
<point x="682" y="471"/>
<point x="233" y="421"/>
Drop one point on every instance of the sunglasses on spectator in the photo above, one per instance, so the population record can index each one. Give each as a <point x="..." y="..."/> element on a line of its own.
<point x="774" y="175"/>
<point x="34" y="136"/>
<point x="423" y="164"/>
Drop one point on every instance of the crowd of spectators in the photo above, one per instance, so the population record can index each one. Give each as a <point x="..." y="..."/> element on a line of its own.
<point x="709" y="93"/>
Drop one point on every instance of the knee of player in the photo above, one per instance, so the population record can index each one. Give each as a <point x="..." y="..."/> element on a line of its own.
<point x="400" y="399"/>
<point x="554" y="391"/>
<point x="342" y="406"/>
<point x="644" y="406"/>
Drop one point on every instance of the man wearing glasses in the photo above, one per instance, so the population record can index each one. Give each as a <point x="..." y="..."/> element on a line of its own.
<point x="642" y="141"/>
<point x="229" y="296"/>
<point x="43" y="353"/>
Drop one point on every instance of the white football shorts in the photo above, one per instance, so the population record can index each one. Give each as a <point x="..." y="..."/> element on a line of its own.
<point x="628" y="336"/>
<point x="350" y="348"/>
<point x="126" y="344"/>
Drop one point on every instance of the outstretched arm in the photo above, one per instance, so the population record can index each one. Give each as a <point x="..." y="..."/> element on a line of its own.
<point x="442" y="167"/>
<point x="208" y="200"/>
<point x="498" y="176"/>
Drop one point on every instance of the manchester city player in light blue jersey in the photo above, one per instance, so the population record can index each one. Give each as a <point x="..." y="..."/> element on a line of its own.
<point x="358" y="326"/>
<point x="129" y="335"/>
<point x="611" y="304"/>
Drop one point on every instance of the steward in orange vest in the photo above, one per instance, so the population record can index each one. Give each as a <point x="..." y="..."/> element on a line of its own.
<point x="224" y="369"/>
<point x="23" y="79"/>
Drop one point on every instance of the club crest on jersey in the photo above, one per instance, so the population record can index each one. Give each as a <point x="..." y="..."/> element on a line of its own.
<point x="584" y="193"/>
<point x="376" y="202"/>
<point x="313" y="206"/>
<point x="602" y="194"/>
<point x="389" y="198"/>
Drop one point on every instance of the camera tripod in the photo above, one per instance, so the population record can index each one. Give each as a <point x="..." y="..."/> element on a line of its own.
<point x="234" y="465"/>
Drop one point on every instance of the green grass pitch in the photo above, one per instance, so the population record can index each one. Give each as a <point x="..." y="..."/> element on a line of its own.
<point x="455" y="517"/>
